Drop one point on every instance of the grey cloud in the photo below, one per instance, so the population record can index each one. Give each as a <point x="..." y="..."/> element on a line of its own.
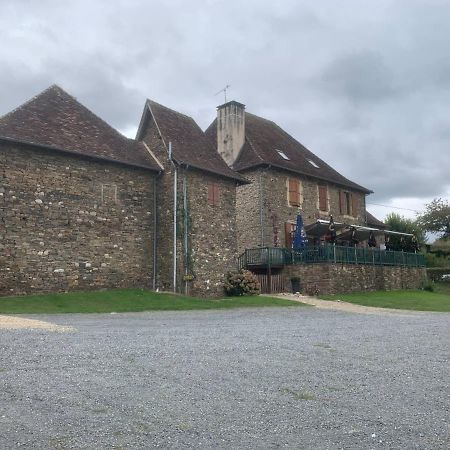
<point x="360" y="77"/>
<point x="364" y="86"/>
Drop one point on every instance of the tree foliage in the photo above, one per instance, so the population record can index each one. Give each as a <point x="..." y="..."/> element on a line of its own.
<point x="436" y="218"/>
<point x="396" y="222"/>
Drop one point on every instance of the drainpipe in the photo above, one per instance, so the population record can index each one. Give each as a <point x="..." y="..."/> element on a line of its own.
<point x="261" y="209"/>
<point x="175" y="180"/>
<point x="186" y="231"/>
<point x="155" y="229"/>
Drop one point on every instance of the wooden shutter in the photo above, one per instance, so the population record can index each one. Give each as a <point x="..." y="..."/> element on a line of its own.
<point x="342" y="202"/>
<point x="288" y="234"/>
<point x="355" y="205"/>
<point x="211" y="194"/>
<point x="294" y="192"/>
<point x="323" y="203"/>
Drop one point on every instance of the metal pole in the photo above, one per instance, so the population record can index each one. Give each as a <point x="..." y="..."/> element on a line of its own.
<point x="175" y="181"/>
<point x="186" y="250"/>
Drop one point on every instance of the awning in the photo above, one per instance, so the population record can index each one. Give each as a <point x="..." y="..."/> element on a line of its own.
<point x="344" y="230"/>
<point x="320" y="228"/>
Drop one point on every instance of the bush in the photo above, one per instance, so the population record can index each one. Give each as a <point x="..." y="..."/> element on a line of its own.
<point x="434" y="260"/>
<point x="242" y="282"/>
<point x="438" y="273"/>
<point x="428" y="286"/>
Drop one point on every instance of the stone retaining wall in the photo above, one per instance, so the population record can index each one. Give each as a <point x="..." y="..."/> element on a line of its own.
<point x="330" y="278"/>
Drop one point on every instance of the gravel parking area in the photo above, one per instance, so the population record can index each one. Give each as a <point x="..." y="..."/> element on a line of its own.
<point x="263" y="378"/>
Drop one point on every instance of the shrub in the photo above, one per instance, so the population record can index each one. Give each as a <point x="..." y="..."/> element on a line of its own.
<point x="438" y="273"/>
<point x="242" y="282"/>
<point x="428" y="286"/>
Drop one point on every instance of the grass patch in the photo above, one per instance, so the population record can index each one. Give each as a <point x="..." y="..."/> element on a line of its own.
<point x="439" y="300"/>
<point x="127" y="300"/>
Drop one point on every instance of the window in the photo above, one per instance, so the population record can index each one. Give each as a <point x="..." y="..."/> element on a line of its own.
<point x="108" y="193"/>
<point x="348" y="203"/>
<point x="283" y="155"/>
<point x="289" y="230"/>
<point x="294" y="194"/>
<point x="313" y="163"/>
<point x="213" y="194"/>
<point x="323" y="198"/>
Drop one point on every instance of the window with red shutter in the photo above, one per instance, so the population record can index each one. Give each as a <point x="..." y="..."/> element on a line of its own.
<point x="342" y="202"/>
<point x="213" y="194"/>
<point x="289" y="229"/>
<point x="346" y="203"/>
<point x="294" y="192"/>
<point x="355" y="205"/>
<point x="323" y="200"/>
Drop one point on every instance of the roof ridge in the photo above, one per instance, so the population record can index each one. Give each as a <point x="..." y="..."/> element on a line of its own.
<point x="54" y="86"/>
<point x="253" y="148"/>
<point x="173" y="110"/>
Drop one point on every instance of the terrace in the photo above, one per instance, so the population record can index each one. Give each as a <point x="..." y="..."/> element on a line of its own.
<point x="275" y="257"/>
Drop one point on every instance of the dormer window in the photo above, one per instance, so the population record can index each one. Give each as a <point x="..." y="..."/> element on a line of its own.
<point x="282" y="154"/>
<point x="313" y="163"/>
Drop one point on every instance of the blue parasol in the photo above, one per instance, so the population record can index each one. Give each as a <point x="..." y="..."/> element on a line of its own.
<point x="300" y="239"/>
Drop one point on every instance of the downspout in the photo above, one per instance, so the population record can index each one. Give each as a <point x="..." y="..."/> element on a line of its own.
<point x="261" y="210"/>
<point x="175" y="181"/>
<point x="155" y="230"/>
<point x="186" y="231"/>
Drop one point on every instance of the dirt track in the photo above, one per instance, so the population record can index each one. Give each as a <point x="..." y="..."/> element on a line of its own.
<point x="16" y="323"/>
<point x="343" y="306"/>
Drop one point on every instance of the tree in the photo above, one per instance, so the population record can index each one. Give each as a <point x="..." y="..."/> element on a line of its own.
<point x="436" y="218"/>
<point x="396" y="222"/>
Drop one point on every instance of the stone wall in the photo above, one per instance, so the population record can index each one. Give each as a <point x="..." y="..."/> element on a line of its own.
<point x="68" y="222"/>
<point x="211" y="244"/>
<point x="265" y="201"/>
<point x="329" y="278"/>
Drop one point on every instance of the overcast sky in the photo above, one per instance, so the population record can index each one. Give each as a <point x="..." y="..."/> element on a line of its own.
<point x="363" y="84"/>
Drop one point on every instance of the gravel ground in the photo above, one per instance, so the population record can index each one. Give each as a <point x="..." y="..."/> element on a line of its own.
<point x="261" y="378"/>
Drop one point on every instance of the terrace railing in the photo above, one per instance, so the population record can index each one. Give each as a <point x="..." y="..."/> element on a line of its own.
<point x="276" y="257"/>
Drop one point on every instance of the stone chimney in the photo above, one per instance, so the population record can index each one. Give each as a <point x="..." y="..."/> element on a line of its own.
<point x="230" y="130"/>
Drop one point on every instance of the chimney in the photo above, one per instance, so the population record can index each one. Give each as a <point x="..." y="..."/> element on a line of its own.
<point x="230" y="130"/>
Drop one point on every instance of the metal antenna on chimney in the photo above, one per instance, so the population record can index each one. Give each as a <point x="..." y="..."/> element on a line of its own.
<point x="224" y="90"/>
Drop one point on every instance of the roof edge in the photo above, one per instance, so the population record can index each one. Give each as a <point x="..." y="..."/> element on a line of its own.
<point x="79" y="154"/>
<point x="357" y="187"/>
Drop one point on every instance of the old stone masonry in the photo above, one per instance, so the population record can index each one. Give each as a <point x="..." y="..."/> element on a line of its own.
<point x="83" y="207"/>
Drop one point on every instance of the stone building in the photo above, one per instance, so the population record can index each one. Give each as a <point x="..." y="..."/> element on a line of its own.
<point x="285" y="178"/>
<point x="83" y="207"/>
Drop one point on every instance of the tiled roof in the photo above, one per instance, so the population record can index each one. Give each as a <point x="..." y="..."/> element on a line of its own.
<point x="189" y="144"/>
<point x="56" y="119"/>
<point x="373" y="221"/>
<point x="262" y="140"/>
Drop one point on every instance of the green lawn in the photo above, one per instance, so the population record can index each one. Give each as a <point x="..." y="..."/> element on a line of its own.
<point x="126" y="301"/>
<point x="412" y="300"/>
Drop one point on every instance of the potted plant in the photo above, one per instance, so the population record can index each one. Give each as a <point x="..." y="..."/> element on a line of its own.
<point x="295" y="282"/>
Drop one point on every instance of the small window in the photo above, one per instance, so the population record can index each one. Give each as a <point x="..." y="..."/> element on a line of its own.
<point x="283" y="155"/>
<point x="289" y="231"/>
<point x="294" y="195"/>
<point x="213" y="194"/>
<point x="108" y="193"/>
<point x="346" y="203"/>
<point x="313" y="163"/>
<point x="323" y="198"/>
